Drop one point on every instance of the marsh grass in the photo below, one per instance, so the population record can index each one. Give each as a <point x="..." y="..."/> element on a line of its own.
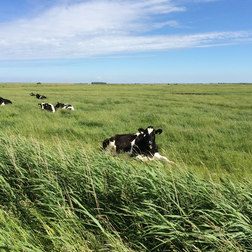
<point x="60" y="193"/>
<point x="73" y="200"/>
<point x="206" y="127"/>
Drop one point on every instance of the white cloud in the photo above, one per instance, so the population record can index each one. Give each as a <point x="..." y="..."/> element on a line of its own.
<point x="171" y="23"/>
<point x="80" y="29"/>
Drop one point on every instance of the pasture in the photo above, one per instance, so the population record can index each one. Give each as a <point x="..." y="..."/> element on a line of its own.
<point x="206" y="128"/>
<point x="59" y="192"/>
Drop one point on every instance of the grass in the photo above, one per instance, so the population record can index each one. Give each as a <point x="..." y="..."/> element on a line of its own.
<point x="56" y="201"/>
<point x="205" y="127"/>
<point x="60" y="193"/>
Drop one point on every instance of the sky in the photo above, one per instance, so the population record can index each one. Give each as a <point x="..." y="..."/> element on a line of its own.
<point x="126" y="41"/>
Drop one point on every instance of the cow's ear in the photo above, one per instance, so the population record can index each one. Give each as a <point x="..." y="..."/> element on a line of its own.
<point x="159" y="131"/>
<point x="141" y="130"/>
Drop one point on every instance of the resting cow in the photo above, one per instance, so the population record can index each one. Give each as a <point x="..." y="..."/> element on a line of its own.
<point x="38" y="96"/>
<point x="64" y="106"/>
<point x="142" y="144"/>
<point x="47" y="106"/>
<point x="4" y="101"/>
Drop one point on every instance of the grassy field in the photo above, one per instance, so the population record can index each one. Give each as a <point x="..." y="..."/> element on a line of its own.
<point x="206" y="128"/>
<point x="59" y="192"/>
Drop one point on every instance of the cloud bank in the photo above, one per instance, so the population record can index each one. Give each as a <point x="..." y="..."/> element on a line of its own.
<point x="82" y="29"/>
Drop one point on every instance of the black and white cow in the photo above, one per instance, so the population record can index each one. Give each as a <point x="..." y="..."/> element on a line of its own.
<point x="38" y="96"/>
<point x="47" y="106"/>
<point x="142" y="144"/>
<point x="4" y="101"/>
<point x="64" y="106"/>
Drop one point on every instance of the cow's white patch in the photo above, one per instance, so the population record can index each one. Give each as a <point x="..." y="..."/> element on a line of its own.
<point x="150" y="130"/>
<point x="53" y="109"/>
<point x="132" y="145"/>
<point x="111" y="147"/>
<point x="143" y="158"/>
<point x="2" y="104"/>
<point x="68" y="106"/>
<point x="156" y="156"/>
<point x="163" y="158"/>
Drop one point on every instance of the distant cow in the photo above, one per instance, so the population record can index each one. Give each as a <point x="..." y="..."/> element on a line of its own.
<point x="142" y="144"/>
<point x="38" y="96"/>
<point x="4" y="101"/>
<point x="47" y="106"/>
<point x="64" y="106"/>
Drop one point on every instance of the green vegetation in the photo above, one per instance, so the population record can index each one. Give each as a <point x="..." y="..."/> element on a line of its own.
<point x="206" y="128"/>
<point x="59" y="192"/>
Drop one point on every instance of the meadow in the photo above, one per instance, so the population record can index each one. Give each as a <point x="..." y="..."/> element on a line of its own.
<point x="59" y="192"/>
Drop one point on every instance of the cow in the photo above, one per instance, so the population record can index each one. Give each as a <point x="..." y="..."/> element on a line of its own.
<point x="47" y="106"/>
<point x="4" y="101"/>
<point x="38" y="96"/>
<point x="141" y="145"/>
<point x="32" y="94"/>
<point x="64" y="106"/>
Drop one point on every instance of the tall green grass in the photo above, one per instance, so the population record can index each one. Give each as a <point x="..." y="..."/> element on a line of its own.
<point x="59" y="192"/>
<point x="206" y="128"/>
<point x="74" y="200"/>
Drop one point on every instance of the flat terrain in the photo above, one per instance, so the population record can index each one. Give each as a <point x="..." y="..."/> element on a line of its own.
<point x="60" y="192"/>
<point x="206" y="128"/>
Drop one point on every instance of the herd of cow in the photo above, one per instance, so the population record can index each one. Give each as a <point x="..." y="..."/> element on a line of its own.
<point x="49" y="106"/>
<point x="141" y="145"/>
<point x="43" y="105"/>
<point x="52" y="108"/>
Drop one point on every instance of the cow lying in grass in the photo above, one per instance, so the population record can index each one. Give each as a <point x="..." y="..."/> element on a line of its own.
<point x="4" y="101"/>
<point x="142" y="144"/>
<point x="47" y="106"/>
<point x="38" y="96"/>
<point x="64" y="106"/>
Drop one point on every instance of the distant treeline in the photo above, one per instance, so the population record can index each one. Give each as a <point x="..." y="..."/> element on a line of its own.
<point x="98" y="82"/>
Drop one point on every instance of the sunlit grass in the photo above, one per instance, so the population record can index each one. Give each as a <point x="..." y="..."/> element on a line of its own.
<point x="205" y="127"/>
<point x="59" y="192"/>
<point x="78" y="200"/>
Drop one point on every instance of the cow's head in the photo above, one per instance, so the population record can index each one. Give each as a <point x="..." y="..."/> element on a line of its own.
<point x="149" y="136"/>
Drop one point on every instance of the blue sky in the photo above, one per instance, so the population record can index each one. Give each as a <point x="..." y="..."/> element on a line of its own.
<point x="126" y="41"/>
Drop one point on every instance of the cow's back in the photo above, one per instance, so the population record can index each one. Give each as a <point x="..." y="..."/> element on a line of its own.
<point x="120" y="142"/>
